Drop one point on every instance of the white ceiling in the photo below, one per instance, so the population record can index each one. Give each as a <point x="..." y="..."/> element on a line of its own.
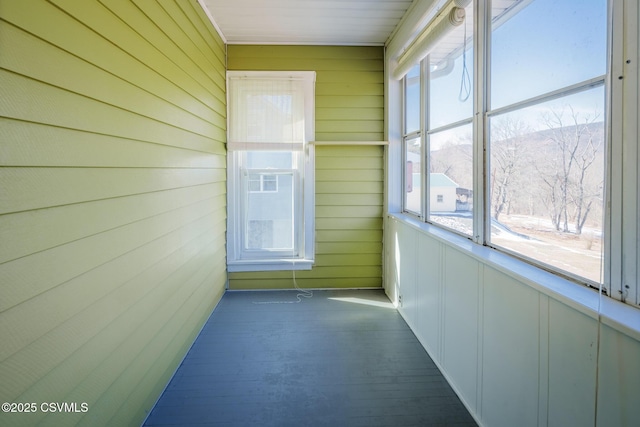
<point x="326" y="22"/>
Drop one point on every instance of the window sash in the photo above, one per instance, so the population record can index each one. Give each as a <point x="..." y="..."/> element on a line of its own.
<point x="412" y="178"/>
<point x="588" y="274"/>
<point x="271" y="209"/>
<point x="263" y="178"/>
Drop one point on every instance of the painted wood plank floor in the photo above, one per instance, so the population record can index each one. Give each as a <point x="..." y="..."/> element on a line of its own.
<point x="340" y="358"/>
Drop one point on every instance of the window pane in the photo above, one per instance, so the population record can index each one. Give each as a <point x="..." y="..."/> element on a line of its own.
<point x="268" y="159"/>
<point x="412" y="100"/>
<point x="413" y="168"/>
<point x="263" y="182"/>
<point x="269" y="182"/>
<point x="270" y="217"/>
<point x="260" y="234"/>
<point x="451" y="179"/>
<point x="254" y="182"/>
<point x="546" y="182"/>
<point x="451" y="76"/>
<point x="544" y="45"/>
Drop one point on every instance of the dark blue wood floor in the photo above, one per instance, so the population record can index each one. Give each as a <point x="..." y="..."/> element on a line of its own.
<point x="340" y="358"/>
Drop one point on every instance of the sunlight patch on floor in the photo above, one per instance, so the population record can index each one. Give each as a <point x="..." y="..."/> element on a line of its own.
<point x="383" y="304"/>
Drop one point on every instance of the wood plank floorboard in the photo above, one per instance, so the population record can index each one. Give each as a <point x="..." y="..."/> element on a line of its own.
<point x="339" y="358"/>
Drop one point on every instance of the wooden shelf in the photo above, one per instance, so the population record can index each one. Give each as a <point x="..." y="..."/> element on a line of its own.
<point x="349" y="142"/>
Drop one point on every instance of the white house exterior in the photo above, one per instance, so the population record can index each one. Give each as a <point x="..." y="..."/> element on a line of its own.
<point x="443" y="193"/>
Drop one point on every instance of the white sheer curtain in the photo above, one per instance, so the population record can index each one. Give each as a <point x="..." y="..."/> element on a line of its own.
<point x="266" y="114"/>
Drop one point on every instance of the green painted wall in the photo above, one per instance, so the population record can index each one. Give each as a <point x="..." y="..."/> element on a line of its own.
<point x="112" y="202"/>
<point x="349" y="179"/>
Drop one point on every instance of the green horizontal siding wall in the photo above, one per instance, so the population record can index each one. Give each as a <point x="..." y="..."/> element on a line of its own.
<point x="349" y="178"/>
<point x="112" y="201"/>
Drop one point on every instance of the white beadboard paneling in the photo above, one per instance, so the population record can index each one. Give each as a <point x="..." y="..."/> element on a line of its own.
<point x="536" y="359"/>
<point x="407" y="274"/>
<point x="392" y="260"/>
<point x="510" y="359"/>
<point x="346" y="22"/>
<point x="429" y="294"/>
<point x="543" y="351"/>
<point x="573" y="341"/>
<point x="460" y="350"/>
<point x="618" y="379"/>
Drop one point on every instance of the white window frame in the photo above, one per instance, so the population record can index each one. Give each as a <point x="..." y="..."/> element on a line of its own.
<point x="407" y="136"/>
<point x="302" y="258"/>
<point x="261" y="175"/>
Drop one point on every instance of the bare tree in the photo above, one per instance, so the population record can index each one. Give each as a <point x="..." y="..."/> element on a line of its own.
<point x="583" y="195"/>
<point x="574" y="150"/>
<point x="552" y="201"/>
<point x="508" y="147"/>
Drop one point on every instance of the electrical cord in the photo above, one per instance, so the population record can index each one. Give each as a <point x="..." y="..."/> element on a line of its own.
<point x="300" y="293"/>
<point x="465" y="82"/>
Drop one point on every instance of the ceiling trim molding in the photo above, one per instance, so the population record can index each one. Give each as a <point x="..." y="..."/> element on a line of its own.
<point x="308" y="22"/>
<point x="212" y="20"/>
<point x="297" y="43"/>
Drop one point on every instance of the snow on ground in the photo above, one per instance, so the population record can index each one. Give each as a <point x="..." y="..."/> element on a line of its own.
<point x="536" y="238"/>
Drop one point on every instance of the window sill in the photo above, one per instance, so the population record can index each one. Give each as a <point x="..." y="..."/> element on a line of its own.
<point x="269" y="265"/>
<point x="613" y="313"/>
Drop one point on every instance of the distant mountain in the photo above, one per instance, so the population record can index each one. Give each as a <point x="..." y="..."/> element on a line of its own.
<point x="536" y="147"/>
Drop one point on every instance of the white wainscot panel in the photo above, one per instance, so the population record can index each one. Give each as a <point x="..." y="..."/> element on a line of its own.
<point x="460" y="329"/>
<point x="392" y="266"/>
<point x="510" y="360"/>
<point x="573" y="340"/>
<point x="618" y="379"/>
<point x="407" y="246"/>
<point x="429" y="294"/>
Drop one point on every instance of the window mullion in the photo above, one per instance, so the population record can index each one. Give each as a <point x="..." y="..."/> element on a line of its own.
<point x="481" y="90"/>
<point x="613" y="197"/>
<point x="545" y="97"/>
<point x="626" y="93"/>
<point x="424" y="138"/>
<point x="403" y="139"/>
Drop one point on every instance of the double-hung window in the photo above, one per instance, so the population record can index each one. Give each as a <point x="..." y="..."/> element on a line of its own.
<point x="270" y="170"/>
